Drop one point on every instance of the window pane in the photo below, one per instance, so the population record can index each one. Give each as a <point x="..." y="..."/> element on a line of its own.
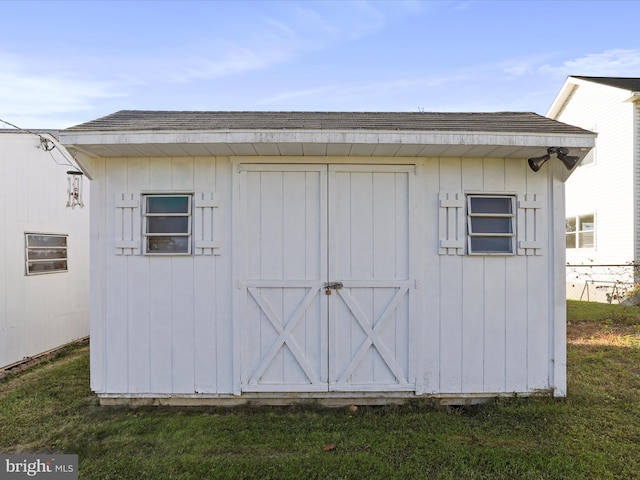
<point x="501" y="205"/>
<point x="586" y="222"/>
<point x="586" y="239"/>
<point x="491" y="225"/>
<point x="491" y="245"/>
<point x="46" y="240"/>
<point x="46" y="253"/>
<point x="168" y="204"/>
<point x="167" y="224"/>
<point x="571" y="240"/>
<point x="168" y="244"/>
<point x="570" y="225"/>
<point x="46" y="267"/>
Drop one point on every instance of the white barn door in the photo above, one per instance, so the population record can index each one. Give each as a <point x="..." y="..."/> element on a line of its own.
<point x="369" y="254"/>
<point x="312" y="226"/>
<point x="284" y="324"/>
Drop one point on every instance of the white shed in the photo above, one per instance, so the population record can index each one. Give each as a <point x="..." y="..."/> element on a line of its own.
<point x="334" y="257"/>
<point x="44" y="249"/>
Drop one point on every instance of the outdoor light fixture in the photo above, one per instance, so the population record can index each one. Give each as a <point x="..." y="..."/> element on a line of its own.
<point x="536" y="162"/>
<point x="569" y="161"/>
<point x="74" y="190"/>
<point x="562" y="153"/>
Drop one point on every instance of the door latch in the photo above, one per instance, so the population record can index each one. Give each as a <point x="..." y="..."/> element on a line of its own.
<point x="332" y="286"/>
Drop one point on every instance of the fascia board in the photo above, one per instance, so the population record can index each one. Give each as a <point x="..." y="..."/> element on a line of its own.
<point x="635" y="96"/>
<point x="329" y="137"/>
<point x="561" y="98"/>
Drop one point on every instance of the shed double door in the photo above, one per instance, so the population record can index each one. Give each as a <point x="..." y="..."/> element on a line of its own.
<point x="327" y="294"/>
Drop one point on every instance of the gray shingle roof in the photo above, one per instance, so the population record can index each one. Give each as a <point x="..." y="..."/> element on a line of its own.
<point x="626" y="83"/>
<point x="139" y="120"/>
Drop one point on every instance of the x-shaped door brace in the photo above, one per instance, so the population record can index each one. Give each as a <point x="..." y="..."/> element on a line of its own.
<point x="372" y="336"/>
<point x="284" y="333"/>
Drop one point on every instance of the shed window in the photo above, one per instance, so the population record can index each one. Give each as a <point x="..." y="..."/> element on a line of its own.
<point x="45" y="253"/>
<point x="490" y="224"/>
<point x="167" y="224"/>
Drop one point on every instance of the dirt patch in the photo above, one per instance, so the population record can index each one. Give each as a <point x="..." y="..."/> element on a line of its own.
<point x="589" y="333"/>
<point x="23" y="376"/>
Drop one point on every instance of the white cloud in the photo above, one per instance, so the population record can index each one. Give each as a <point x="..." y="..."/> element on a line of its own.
<point x="269" y="42"/>
<point x="616" y="62"/>
<point x="28" y="93"/>
<point x="519" y="69"/>
<point x="361" y="93"/>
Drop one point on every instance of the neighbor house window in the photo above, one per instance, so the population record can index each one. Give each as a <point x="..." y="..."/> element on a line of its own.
<point x="491" y="224"/>
<point x="45" y="253"/>
<point x="167" y="224"/>
<point x="580" y="231"/>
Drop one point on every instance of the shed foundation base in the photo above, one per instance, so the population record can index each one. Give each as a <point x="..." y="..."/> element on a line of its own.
<point x="325" y="400"/>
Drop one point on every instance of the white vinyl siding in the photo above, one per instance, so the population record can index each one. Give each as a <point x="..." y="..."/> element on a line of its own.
<point x="604" y="186"/>
<point x="167" y="224"/>
<point x="636" y="182"/>
<point x="45" y="253"/>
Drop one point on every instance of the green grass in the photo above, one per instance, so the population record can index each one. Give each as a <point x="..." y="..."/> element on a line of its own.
<point x="599" y="312"/>
<point x="594" y="433"/>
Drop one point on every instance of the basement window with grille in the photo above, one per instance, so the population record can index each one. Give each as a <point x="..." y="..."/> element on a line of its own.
<point x="491" y="224"/>
<point x="45" y="253"/>
<point x="167" y="224"/>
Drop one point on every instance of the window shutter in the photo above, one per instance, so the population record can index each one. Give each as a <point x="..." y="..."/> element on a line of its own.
<point x="451" y="224"/>
<point x="530" y="225"/>
<point x="206" y="224"/>
<point x="127" y="224"/>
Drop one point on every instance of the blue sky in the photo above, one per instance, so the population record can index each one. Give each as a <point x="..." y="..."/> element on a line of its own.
<point x="64" y="63"/>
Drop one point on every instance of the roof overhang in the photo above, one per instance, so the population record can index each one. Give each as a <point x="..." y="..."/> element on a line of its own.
<point x="558" y="104"/>
<point x="635" y="96"/>
<point x="321" y="143"/>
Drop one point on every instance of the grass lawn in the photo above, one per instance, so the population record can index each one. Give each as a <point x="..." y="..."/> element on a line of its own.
<point x="594" y="433"/>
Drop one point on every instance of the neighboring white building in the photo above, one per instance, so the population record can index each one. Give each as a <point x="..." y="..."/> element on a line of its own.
<point x="334" y="257"/>
<point x="603" y="195"/>
<point x="44" y="249"/>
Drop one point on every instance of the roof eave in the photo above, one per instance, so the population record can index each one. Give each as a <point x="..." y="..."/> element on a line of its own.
<point x="558" y="104"/>
<point x="328" y="136"/>
<point x="635" y="97"/>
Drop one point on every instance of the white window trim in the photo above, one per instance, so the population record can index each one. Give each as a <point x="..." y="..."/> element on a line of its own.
<point x="511" y="235"/>
<point x="579" y="230"/>
<point x="188" y="234"/>
<point x="48" y="260"/>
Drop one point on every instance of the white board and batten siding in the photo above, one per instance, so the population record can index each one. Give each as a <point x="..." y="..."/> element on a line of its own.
<point x="490" y="312"/>
<point x="250" y="314"/>
<point x="163" y="322"/>
<point x="39" y="313"/>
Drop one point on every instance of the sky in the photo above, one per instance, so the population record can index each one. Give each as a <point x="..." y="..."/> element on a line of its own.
<point x="67" y="62"/>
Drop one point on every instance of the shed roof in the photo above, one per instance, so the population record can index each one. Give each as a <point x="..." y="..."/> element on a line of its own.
<point x="508" y="122"/>
<point x="131" y="133"/>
